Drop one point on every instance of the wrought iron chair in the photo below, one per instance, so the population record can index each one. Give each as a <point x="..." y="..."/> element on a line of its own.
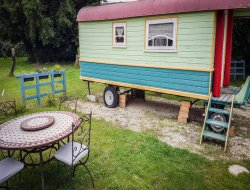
<point x="8" y="168"/>
<point x="77" y="152"/>
<point x="68" y="102"/>
<point x="8" y="108"/>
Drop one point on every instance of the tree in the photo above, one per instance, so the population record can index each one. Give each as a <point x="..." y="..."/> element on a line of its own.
<point x="241" y="41"/>
<point x="47" y="28"/>
<point x="11" y="31"/>
<point x="5" y="48"/>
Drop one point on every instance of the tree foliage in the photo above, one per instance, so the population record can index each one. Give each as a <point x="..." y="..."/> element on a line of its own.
<point x="241" y="38"/>
<point x="241" y="41"/>
<point x="47" y="28"/>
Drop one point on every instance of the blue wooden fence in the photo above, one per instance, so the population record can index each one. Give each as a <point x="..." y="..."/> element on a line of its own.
<point x="40" y="76"/>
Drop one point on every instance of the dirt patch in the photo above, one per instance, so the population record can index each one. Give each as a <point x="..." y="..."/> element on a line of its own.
<point x="159" y="116"/>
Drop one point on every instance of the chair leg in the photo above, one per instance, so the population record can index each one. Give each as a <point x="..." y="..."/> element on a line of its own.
<point x="7" y="184"/>
<point x="21" y="159"/>
<point x="90" y="176"/>
<point x="73" y="171"/>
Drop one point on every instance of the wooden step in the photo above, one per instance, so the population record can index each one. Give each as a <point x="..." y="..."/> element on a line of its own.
<point x="217" y="123"/>
<point x="222" y="111"/>
<point x="216" y="136"/>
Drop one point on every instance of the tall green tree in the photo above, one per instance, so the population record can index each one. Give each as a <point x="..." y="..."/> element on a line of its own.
<point x="11" y="31"/>
<point x="47" y="28"/>
<point x="241" y="41"/>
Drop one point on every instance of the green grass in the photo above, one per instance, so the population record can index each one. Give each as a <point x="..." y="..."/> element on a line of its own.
<point x="120" y="158"/>
<point x="11" y="86"/>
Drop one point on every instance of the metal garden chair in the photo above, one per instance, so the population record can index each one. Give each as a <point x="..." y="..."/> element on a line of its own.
<point x="68" y="102"/>
<point x="8" y="168"/>
<point x="76" y="153"/>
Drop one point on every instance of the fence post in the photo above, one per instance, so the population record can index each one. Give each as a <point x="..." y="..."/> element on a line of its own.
<point x="23" y="90"/>
<point x="52" y="82"/>
<point x="64" y="82"/>
<point x="38" y="89"/>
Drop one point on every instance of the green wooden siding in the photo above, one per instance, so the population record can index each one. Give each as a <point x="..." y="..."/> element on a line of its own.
<point x="194" y="42"/>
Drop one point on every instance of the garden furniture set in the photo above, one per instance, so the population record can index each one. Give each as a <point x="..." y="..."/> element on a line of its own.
<point x="33" y="134"/>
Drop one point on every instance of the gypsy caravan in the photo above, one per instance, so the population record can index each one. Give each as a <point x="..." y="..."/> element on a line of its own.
<point x="168" y="46"/>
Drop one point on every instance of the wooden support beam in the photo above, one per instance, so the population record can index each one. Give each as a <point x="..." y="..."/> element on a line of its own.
<point x="218" y="52"/>
<point x="229" y="44"/>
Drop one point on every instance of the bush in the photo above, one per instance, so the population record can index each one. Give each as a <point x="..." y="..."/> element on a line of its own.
<point x="57" y="67"/>
<point x="51" y="101"/>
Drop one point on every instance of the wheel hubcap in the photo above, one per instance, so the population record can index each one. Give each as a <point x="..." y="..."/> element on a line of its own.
<point x="109" y="97"/>
<point x="218" y="117"/>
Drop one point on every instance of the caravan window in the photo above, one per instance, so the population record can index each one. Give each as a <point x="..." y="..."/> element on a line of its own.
<point x="161" y="34"/>
<point x="119" y="34"/>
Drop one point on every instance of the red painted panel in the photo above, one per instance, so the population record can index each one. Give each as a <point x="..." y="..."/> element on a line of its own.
<point x="218" y="53"/>
<point x="155" y="7"/>
<point x="228" y="49"/>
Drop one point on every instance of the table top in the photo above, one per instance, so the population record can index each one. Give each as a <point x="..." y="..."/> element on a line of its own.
<point x="40" y="130"/>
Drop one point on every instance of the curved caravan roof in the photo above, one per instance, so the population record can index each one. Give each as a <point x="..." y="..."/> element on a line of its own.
<point x="155" y="7"/>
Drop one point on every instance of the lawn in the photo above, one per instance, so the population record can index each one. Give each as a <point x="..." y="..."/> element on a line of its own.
<point x="120" y="158"/>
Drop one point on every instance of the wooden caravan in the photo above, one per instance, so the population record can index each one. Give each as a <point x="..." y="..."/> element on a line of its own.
<point x="168" y="46"/>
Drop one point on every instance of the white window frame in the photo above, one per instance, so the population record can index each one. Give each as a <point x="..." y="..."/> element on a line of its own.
<point x="161" y="49"/>
<point x="124" y="44"/>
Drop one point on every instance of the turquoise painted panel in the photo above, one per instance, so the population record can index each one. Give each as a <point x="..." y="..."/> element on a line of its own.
<point x="185" y="81"/>
<point x="195" y="41"/>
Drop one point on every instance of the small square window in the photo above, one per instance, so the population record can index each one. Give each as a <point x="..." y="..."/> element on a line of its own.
<point x="119" y="34"/>
<point x="161" y="34"/>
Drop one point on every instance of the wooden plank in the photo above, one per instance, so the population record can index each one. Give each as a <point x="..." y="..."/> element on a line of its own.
<point x="153" y="89"/>
<point x="29" y="87"/>
<point x="178" y="87"/>
<point x="38" y="85"/>
<point x="147" y="65"/>
<point x="156" y="73"/>
<point x="38" y="90"/>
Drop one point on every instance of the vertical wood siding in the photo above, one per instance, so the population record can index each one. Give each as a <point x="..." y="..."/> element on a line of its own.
<point x="195" y="39"/>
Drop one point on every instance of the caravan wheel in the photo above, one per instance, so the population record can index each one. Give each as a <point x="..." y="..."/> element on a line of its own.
<point x="110" y="97"/>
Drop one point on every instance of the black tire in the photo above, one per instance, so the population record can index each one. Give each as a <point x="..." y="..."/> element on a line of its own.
<point x="110" y="97"/>
<point x="220" y="117"/>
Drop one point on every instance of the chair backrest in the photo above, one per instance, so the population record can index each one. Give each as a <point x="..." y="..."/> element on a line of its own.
<point x="244" y="92"/>
<point x="81" y="135"/>
<point x="69" y="102"/>
<point x="8" y="108"/>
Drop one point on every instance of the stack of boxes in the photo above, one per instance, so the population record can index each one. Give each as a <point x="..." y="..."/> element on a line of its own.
<point x="184" y="111"/>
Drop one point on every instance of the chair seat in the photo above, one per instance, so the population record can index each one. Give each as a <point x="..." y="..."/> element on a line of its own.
<point x="64" y="154"/>
<point x="8" y="168"/>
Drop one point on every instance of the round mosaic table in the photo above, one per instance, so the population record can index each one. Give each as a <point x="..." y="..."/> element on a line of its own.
<point x="36" y="133"/>
<point x="44" y="128"/>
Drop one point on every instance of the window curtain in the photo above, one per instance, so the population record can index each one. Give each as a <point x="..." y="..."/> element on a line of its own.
<point x="119" y="31"/>
<point x="164" y="29"/>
